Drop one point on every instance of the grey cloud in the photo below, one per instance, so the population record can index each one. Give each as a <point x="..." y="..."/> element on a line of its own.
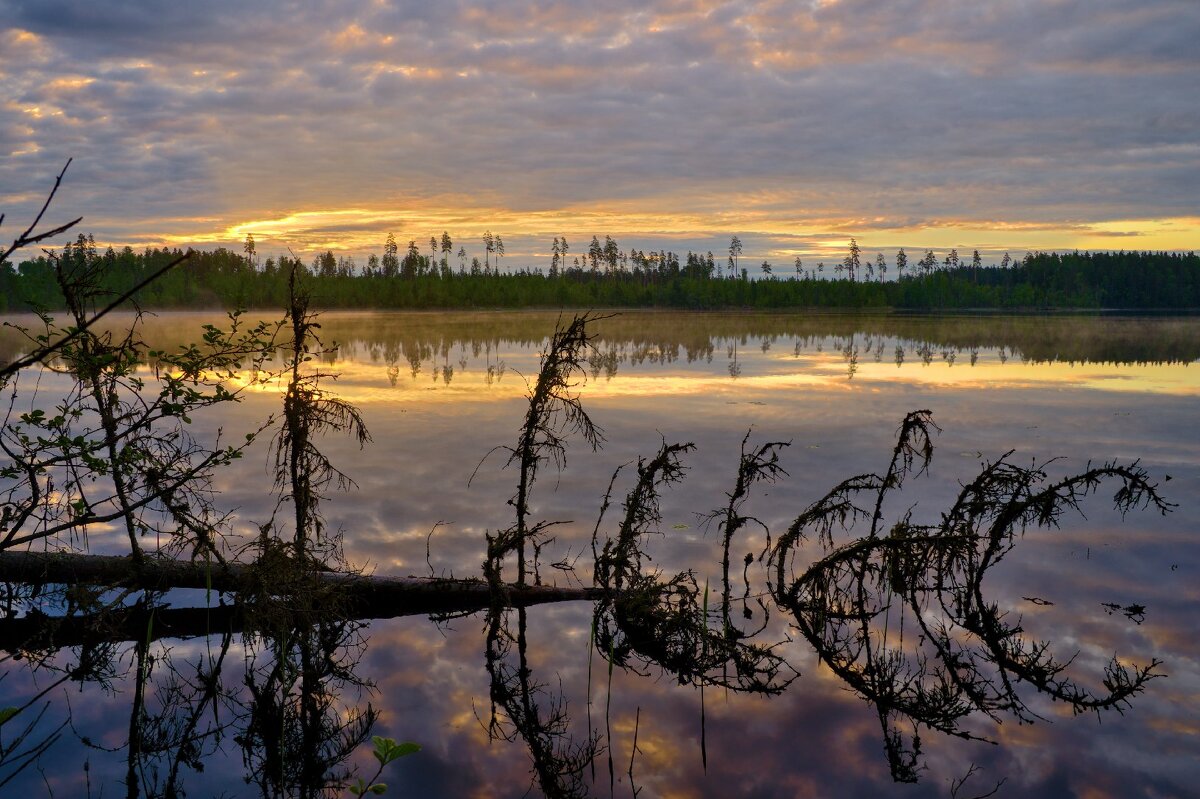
<point x="200" y="31"/>
<point x="924" y="108"/>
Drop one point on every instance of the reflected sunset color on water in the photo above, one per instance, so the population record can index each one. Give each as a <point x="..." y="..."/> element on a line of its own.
<point x="439" y="392"/>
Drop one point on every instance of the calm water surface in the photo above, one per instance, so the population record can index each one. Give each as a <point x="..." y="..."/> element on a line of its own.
<point x="440" y="391"/>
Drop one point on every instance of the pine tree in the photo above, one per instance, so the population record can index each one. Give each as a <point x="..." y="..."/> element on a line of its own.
<point x="928" y="263"/>
<point x="851" y="262"/>
<point x="489" y="244"/>
<point x="391" y="259"/>
<point x="251" y="253"/>
<point x="610" y="253"/>
<point x="595" y="253"/>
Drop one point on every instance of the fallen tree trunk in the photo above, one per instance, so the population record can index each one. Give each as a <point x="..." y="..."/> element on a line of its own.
<point x="355" y="596"/>
<point x="141" y="623"/>
<point x="38" y="632"/>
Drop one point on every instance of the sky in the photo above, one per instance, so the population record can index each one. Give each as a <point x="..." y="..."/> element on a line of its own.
<point x="1010" y="125"/>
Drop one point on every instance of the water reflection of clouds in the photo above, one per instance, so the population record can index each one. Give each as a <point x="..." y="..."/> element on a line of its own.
<point x="1033" y="756"/>
<point x="817" y="739"/>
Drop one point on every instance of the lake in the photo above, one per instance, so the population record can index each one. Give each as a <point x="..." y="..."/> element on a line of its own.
<point x="440" y="392"/>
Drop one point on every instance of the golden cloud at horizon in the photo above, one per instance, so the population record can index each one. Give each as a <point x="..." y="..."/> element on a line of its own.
<point x="360" y="230"/>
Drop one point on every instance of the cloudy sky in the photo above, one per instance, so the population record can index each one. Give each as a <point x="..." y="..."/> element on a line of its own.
<point x="1001" y="125"/>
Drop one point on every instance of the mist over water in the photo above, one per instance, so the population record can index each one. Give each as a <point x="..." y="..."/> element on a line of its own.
<point x="440" y="391"/>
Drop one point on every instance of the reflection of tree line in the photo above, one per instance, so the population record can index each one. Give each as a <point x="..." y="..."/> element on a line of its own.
<point x="443" y="360"/>
<point x="674" y="337"/>
<point x="636" y="339"/>
<point x="442" y="346"/>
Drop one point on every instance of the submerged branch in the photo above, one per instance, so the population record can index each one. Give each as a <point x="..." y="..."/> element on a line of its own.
<point x="370" y="596"/>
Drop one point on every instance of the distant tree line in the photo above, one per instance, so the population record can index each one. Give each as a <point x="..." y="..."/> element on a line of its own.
<point x="607" y="276"/>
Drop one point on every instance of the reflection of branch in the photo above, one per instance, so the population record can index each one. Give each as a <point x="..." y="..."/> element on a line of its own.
<point x="538" y="718"/>
<point x="1135" y="613"/>
<point x="753" y="465"/>
<point x="645" y="619"/>
<point x="12" y="758"/>
<point x="210" y="692"/>
<point x="957" y="784"/>
<point x="968" y="656"/>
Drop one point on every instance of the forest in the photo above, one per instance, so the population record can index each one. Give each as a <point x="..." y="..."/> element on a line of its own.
<point x="610" y="277"/>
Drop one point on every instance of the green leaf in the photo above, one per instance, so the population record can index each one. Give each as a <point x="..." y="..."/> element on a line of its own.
<point x="7" y="713"/>
<point x="407" y="748"/>
<point x="387" y="750"/>
<point x="378" y="787"/>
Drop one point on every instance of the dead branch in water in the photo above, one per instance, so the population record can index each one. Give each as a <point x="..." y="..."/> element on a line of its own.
<point x="903" y="619"/>
<point x="373" y="594"/>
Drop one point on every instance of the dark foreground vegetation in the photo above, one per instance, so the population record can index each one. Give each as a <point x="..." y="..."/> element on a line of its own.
<point x="226" y="279"/>
<point x="895" y="606"/>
